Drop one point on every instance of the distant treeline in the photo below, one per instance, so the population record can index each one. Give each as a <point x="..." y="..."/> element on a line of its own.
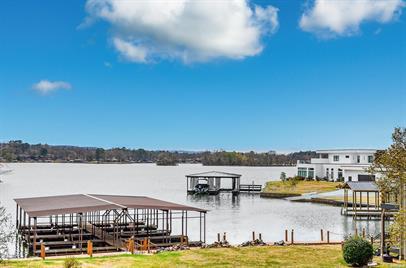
<point x="18" y="151"/>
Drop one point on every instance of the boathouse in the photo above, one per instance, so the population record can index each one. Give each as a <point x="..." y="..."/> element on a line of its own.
<point x="212" y="183"/>
<point x="365" y="201"/>
<point x="59" y="225"/>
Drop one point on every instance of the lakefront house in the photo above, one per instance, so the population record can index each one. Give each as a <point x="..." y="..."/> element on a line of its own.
<point x="340" y="164"/>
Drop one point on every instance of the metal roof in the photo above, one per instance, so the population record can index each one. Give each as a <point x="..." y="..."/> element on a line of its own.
<point x="214" y="174"/>
<point x="80" y="203"/>
<point x="362" y="186"/>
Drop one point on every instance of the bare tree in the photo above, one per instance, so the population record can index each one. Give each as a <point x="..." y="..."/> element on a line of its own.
<point x="6" y="232"/>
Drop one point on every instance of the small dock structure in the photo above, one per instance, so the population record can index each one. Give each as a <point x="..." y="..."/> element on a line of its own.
<point x="212" y="183"/>
<point x="79" y="223"/>
<point x="365" y="202"/>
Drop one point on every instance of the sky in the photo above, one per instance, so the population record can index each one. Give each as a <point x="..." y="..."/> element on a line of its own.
<point x="203" y="75"/>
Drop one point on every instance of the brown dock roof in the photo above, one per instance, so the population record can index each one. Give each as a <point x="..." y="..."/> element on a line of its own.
<point x="80" y="203"/>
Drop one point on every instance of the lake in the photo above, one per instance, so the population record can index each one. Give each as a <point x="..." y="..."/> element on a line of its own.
<point x="238" y="216"/>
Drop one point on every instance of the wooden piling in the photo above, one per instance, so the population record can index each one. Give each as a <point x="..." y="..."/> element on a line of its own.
<point x="356" y="231"/>
<point x="291" y="235"/>
<point x="131" y="245"/>
<point x="218" y="237"/>
<point x="43" y="251"/>
<point x="328" y="237"/>
<point x="363" y="233"/>
<point x="90" y="248"/>
<point x="321" y="235"/>
<point x="260" y="236"/>
<point x="149" y="245"/>
<point x="286" y="235"/>
<point x="253" y="236"/>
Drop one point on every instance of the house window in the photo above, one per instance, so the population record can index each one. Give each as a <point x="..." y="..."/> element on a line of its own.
<point x="327" y="173"/>
<point x="310" y="173"/>
<point x="302" y="172"/>
<point x="358" y="159"/>
<point x="349" y="178"/>
<point x="340" y="173"/>
<point x="347" y="156"/>
<point x="336" y="158"/>
<point x="370" y="158"/>
<point x="332" y="174"/>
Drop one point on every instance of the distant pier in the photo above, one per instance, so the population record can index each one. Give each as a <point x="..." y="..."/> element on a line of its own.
<point x="211" y="183"/>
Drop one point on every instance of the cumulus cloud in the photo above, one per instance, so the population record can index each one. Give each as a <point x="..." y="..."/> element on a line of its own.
<point x="46" y="86"/>
<point x="144" y="31"/>
<point x="328" y="18"/>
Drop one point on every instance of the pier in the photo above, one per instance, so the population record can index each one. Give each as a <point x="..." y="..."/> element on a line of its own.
<point x="75" y="224"/>
<point x="212" y="183"/>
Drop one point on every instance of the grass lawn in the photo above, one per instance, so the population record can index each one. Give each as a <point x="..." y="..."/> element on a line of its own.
<point x="269" y="256"/>
<point x="301" y="187"/>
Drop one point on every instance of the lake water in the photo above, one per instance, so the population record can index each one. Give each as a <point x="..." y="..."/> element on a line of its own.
<point x="237" y="216"/>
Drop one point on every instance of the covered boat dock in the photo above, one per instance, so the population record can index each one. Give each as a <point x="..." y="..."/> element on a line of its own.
<point x="212" y="183"/>
<point x="65" y="224"/>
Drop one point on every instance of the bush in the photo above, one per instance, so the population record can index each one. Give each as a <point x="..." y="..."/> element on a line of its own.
<point x="71" y="262"/>
<point x="357" y="251"/>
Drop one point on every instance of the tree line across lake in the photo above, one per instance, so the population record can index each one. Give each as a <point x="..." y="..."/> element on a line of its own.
<point x="19" y="151"/>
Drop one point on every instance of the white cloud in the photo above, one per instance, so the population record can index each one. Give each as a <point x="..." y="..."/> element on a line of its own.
<point x="144" y="31"/>
<point x="328" y="18"/>
<point x="46" y="86"/>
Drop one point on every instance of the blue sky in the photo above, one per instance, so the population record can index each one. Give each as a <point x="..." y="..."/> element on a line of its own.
<point x="296" y="85"/>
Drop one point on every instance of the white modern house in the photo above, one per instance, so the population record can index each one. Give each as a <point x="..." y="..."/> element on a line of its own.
<point x="347" y="164"/>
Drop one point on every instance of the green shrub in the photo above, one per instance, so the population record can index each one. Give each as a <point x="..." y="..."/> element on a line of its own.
<point x="71" y="262"/>
<point x="357" y="251"/>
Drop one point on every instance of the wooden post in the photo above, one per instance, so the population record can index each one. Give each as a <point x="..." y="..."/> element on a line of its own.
<point x="363" y="233"/>
<point x="372" y="240"/>
<point x="42" y="251"/>
<point x="328" y="237"/>
<point x="253" y="236"/>
<point x="90" y="248"/>
<point x="260" y="237"/>
<point x="321" y="235"/>
<point x="35" y="236"/>
<point x="131" y="245"/>
<point x="291" y="234"/>
<point x="286" y="235"/>
<point x="218" y="237"/>
<point x="149" y="245"/>
<point x="356" y="231"/>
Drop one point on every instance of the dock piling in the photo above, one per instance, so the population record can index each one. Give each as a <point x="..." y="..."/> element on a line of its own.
<point x="43" y="251"/>
<point x="253" y="236"/>
<point x="328" y="237"/>
<point x="260" y="237"/>
<point x="321" y="235"/>
<point x="363" y="233"/>
<point x="90" y="248"/>
<point x="286" y="235"/>
<point x="292" y="239"/>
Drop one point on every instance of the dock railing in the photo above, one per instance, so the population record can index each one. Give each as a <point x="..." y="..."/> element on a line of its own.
<point x="250" y="188"/>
